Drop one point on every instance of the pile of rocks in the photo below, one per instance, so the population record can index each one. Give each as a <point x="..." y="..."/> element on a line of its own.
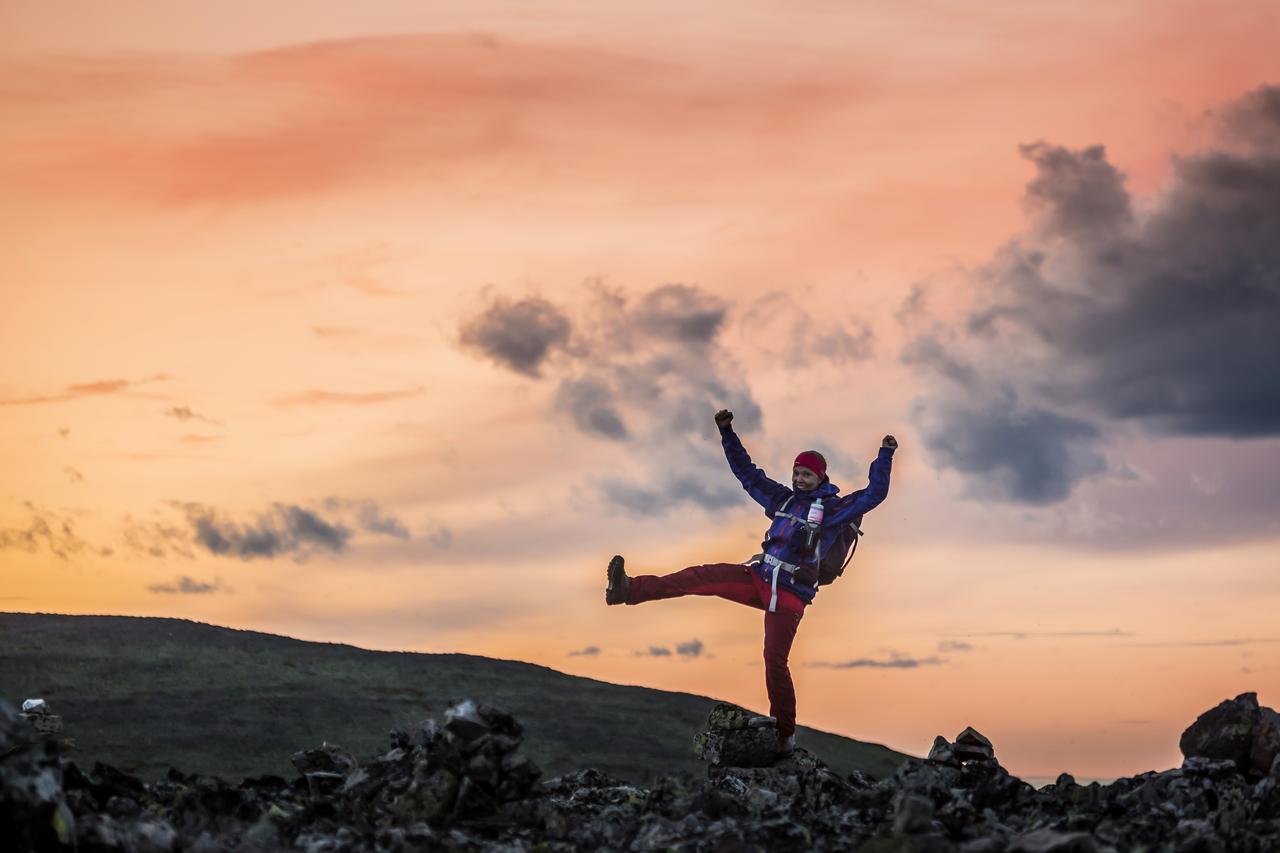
<point x="970" y="745"/>
<point x="462" y="784"/>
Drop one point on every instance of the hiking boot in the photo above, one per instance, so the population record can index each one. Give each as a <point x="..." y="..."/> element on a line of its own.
<point x="786" y="746"/>
<point x="619" y="583"/>
<point x="761" y="722"/>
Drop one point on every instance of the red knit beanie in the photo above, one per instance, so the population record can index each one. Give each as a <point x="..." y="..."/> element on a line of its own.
<point x="812" y="460"/>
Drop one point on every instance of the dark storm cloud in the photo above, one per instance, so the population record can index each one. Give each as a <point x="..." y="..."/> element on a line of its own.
<point x="47" y="530"/>
<point x="1162" y="315"/>
<point x="518" y="335"/>
<point x="1007" y="452"/>
<point x="184" y="585"/>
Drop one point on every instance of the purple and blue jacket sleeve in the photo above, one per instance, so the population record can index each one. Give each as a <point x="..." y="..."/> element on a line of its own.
<point x="853" y="505"/>
<point x="768" y="493"/>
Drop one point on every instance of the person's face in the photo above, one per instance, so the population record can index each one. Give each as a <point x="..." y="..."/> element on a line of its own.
<point x="803" y="480"/>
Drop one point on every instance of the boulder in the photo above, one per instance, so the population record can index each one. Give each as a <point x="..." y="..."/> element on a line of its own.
<point x="1265" y="746"/>
<point x="730" y="741"/>
<point x="1224" y="732"/>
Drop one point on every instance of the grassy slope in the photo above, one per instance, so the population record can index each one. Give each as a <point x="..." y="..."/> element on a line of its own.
<point x="146" y="694"/>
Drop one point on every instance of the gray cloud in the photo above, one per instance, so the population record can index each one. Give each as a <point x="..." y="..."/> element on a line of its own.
<point x="691" y="649"/>
<point x="590" y="402"/>
<point x="642" y="372"/>
<point x="589" y="651"/>
<point x="286" y="529"/>
<point x="518" y="335"/>
<point x="48" y="530"/>
<point x="673" y="490"/>
<point x="184" y="585"/>
<point x="681" y="313"/>
<point x="654" y="652"/>
<point x="1103" y="312"/>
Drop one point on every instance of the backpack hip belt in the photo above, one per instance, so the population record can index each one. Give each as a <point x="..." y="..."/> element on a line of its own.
<point x="777" y="565"/>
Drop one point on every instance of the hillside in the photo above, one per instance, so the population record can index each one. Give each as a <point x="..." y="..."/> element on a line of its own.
<point x="145" y="694"/>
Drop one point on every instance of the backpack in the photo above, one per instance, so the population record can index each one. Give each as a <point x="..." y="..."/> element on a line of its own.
<point x="831" y="564"/>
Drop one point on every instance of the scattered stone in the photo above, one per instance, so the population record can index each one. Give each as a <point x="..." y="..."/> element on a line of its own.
<point x="463" y="785"/>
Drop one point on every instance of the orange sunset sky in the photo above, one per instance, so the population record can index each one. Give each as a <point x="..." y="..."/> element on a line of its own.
<point x="388" y="323"/>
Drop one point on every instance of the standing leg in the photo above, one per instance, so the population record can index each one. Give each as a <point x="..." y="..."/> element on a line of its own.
<point x="779" y="633"/>
<point x="726" y="580"/>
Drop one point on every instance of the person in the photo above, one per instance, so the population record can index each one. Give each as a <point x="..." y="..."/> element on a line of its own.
<point x="783" y="579"/>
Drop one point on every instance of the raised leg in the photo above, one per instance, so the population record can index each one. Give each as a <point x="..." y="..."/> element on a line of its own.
<point x="725" y="580"/>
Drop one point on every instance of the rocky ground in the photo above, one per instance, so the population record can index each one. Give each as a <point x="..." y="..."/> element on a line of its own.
<point x="461" y="783"/>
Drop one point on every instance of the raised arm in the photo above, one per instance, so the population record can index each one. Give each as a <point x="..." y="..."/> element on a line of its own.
<point x="766" y="492"/>
<point x="857" y="503"/>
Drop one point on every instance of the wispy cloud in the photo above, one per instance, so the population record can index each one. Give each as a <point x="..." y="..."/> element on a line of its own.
<point x="47" y="530"/>
<point x="320" y="397"/>
<point x="654" y="652"/>
<point x="97" y="388"/>
<point x="73" y="476"/>
<point x="1234" y="641"/>
<point x="896" y="660"/>
<point x="954" y="646"/>
<point x="1035" y="635"/>
<point x="589" y="651"/>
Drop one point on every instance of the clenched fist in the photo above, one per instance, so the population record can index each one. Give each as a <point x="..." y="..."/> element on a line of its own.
<point x="724" y="417"/>
<point x="889" y="441"/>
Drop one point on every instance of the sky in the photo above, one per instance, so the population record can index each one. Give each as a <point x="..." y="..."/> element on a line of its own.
<point x="390" y="323"/>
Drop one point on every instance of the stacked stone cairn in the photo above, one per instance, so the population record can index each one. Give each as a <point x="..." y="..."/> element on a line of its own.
<point x="462" y="785"/>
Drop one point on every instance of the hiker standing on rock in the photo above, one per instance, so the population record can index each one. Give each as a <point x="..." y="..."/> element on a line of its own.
<point x="812" y="530"/>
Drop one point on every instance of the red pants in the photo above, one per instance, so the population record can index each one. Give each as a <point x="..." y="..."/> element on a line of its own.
<point x="739" y="583"/>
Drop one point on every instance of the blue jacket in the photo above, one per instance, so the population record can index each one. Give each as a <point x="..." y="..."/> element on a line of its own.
<point x="785" y="538"/>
